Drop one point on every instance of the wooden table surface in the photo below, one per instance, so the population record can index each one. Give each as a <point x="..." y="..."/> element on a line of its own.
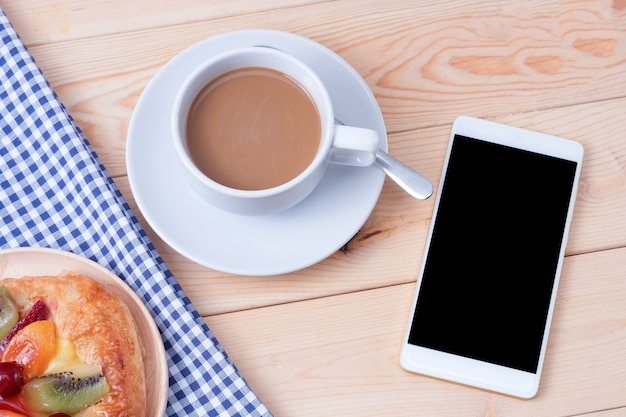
<point x="325" y="341"/>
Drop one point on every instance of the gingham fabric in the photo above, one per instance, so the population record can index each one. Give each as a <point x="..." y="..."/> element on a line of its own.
<point x="54" y="192"/>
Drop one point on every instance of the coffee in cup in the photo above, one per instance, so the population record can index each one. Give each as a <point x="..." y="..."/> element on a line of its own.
<point x="254" y="130"/>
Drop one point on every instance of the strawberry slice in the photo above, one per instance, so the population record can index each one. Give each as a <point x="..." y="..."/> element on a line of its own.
<point x="39" y="311"/>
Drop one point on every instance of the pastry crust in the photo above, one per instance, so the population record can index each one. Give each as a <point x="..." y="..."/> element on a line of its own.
<point x="102" y="331"/>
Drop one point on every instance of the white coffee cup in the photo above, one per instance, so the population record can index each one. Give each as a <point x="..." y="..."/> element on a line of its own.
<point x="338" y="144"/>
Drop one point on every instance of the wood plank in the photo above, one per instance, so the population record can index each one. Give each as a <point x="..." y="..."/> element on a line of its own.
<point x="389" y="248"/>
<point x="490" y="58"/>
<point x="339" y="355"/>
<point x="43" y="22"/>
<point x="618" y="412"/>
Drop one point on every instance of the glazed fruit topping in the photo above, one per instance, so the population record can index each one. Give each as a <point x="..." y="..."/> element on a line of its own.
<point x="66" y="392"/>
<point x="31" y="355"/>
<point x="39" y="311"/>
<point x="9" y="413"/>
<point x="32" y="347"/>
<point x="11" y="379"/>
<point x="8" y="312"/>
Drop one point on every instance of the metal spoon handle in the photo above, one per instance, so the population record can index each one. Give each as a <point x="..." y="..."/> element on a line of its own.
<point x="410" y="180"/>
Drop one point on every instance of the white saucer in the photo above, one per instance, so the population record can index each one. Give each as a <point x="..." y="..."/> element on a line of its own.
<point x="266" y="245"/>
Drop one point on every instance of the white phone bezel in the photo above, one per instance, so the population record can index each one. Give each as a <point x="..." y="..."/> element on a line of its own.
<point x="470" y="371"/>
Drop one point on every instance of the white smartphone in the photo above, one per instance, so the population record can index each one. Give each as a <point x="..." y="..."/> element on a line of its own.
<point x="487" y="285"/>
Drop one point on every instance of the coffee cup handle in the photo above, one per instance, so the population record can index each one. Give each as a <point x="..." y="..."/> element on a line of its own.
<point x="353" y="146"/>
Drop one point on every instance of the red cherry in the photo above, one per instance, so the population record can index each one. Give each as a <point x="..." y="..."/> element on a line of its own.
<point x="11" y="379"/>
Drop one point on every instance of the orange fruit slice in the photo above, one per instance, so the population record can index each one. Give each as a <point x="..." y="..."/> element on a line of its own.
<point x="32" y="347"/>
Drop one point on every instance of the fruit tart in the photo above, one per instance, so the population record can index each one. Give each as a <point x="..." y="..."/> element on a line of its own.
<point x="68" y="347"/>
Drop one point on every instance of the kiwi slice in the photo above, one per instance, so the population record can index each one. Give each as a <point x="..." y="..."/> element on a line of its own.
<point x="66" y="392"/>
<point x="8" y="312"/>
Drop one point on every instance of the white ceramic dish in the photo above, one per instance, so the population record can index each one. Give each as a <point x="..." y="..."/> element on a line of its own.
<point x="19" y="262"/>
<point x="258" y="245"/>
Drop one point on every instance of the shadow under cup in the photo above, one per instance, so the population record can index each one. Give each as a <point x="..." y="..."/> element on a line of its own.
<point x="253" y="128"/>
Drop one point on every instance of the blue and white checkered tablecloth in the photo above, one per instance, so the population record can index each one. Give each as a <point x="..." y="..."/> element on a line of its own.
<point x="55" y="192"/>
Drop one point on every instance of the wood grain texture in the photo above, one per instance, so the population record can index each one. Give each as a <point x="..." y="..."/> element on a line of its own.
<point x="341" y="356"/>
<point x="325" y="341"/>
<point x="431" y="63"/>
<point x="44" y="21"/>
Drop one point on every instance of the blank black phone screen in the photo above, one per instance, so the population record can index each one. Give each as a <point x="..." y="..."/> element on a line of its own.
<point x="490" y="268"/>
